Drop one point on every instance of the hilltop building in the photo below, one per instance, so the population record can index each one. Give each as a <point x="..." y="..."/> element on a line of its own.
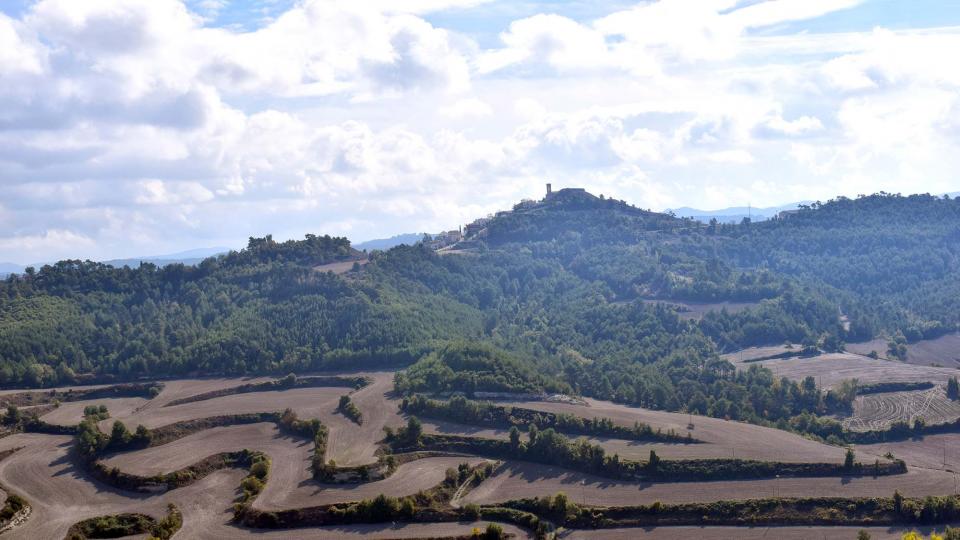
<point x="477" y="228"/>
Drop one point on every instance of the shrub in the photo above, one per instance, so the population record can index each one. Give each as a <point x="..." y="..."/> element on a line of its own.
<point x="260" y="469"/>
<point x="493" y="532"/>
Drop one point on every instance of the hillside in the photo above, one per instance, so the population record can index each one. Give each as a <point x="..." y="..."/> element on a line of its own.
<point x="577" y="292"/>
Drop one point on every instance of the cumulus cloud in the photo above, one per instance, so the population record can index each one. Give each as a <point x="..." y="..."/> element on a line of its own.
<point x="140" y="127"/>
<point x="467" y="108"/>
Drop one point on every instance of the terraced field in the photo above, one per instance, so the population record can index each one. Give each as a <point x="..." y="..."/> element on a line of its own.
<point x="747" y="533"/>
<point x="940" y="451"/>
<point x="878" y="411"/>
<point x="942" y="351"/>
<point x="833" y="368"/>
<point x="721" y="438"/>
<point x="62" y="490"/>
<point x="520" y="480"/>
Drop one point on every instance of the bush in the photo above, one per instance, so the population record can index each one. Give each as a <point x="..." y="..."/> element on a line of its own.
<point x="260" y="469"/>
<point x="471" y="512"/>
<point x="493" y="532"/>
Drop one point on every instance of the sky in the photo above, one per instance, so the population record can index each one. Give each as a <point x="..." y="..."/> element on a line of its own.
<point x="139" y="127"/>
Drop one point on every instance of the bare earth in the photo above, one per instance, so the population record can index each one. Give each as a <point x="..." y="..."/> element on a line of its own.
<point x="59" y="493"/>
<point x="753" y="353"/>
<point x="186" y="451"/>
<point x="942" y="351"/>
<point x="878" y="411"/>
<point x="940" y="451"/>
<point x="518" y="479"/>
<point x="742" y="533"/>
<point x="724" y="438"/>
<point x="624" y="448"/>
<point x="308" y="402"/>
<point x="407" y="480"/>
<point x="834" y="368"/>
<point x="70" y="413"/>
<point x="62" y="495"/>
<point x="341" y="267"/>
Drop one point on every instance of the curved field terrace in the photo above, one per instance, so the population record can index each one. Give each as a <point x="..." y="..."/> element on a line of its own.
<point x="209" y="448"/>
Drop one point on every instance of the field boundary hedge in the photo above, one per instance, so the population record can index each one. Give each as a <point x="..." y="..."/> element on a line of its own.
<point x="583" y="457"/>
<point x="488" y="414"/>
<point x="289" y="382"/>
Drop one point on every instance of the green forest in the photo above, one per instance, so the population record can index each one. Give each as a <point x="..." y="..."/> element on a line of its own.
<point x="570" y="296"/>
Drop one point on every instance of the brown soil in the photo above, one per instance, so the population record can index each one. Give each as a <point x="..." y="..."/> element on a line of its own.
<point x="942" y="351"/>
<point x="409" y="478"/>
<point x="722" y="438"/>
<point x="741" y="533"/>
<point x="878" y="411"/>
<point x="71" y="413"/>
<point x="931" y="451"/>
<point x="518" y="480"/>
<point x="832" y="369"/>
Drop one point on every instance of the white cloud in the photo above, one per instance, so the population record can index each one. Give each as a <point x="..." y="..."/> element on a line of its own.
<point x="553" y="40"/>
<point x="166" y="193"/>
<point x="802" y="125"/>
<point x="740" y="157"/>
<point x="53" y="239"/>
<point x="467" y="108"/>
<point x="141" y="128"/>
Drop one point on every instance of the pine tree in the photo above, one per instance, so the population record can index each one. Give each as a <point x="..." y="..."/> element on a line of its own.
<point x="953" y="389"/>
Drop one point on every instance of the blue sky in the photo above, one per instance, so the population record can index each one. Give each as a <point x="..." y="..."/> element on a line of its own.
<point x="152" y="126"/>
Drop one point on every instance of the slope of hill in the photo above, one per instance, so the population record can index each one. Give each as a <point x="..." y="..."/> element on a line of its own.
<point x="576" y="289"/>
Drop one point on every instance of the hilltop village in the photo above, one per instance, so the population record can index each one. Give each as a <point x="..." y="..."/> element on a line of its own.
<point x="477" y="228"/>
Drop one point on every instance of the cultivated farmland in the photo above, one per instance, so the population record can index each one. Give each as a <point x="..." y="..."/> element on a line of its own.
<point x="833" y="368"/>
<point x="208" y="431"/>
<point x="942" y="351"/>
<point x="878" y="411"/>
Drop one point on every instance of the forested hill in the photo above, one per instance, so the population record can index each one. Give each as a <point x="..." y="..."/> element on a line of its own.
<point x="574" y="214"/>
<point x="575" y="293"/>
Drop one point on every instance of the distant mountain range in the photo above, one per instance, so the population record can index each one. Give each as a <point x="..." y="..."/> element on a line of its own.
<point x="734" y="214"/>
<point x="189" y="257"/>
<point x="387" y="243"/>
